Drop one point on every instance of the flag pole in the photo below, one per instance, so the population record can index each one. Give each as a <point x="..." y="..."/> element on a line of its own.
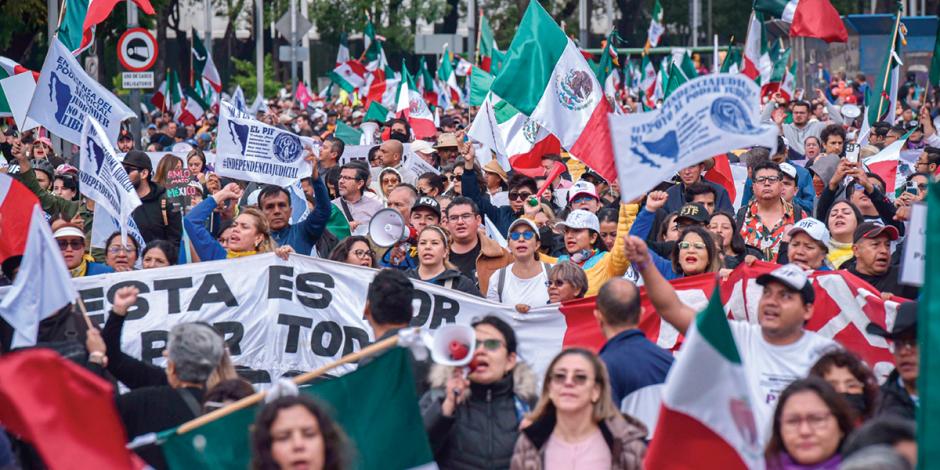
<point x="884" y="81"/>
<point x="61" y="15"/>
<point x="81" y="306"/>
<point x="299" y="380"/>
<point x="476" y="52"/>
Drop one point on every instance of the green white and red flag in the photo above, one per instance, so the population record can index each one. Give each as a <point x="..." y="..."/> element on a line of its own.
<point x="411" y="106"/>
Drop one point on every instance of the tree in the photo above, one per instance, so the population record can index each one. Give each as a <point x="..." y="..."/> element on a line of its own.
<point x="244" y="76"/>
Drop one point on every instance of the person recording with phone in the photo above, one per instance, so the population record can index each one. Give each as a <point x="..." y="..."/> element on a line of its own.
<point x="865" y="190"/>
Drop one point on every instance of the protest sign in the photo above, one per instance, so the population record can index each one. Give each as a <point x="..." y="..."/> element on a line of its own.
<point x="102" y="178"/>
<point x="178" y="189"/>
<point x="915" y="247"/>
<point x="65" y="95"/>
<point x="250" y="150"/>
<point x="707" y="116"/>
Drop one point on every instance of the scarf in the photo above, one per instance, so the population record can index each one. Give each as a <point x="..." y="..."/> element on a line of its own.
<point x="81" y="269"/>
<point x="239" y="254"/>
<point x="839" y="252"/>
<point x="785" y="462"/>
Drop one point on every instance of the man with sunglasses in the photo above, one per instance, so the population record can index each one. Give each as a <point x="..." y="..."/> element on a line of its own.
<point x="899" y="392"/>
<point x="156" y="218"/>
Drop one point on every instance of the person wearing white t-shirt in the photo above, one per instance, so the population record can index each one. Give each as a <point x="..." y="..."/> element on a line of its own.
<point x="775" y="351"/>
<point x="524" y="282"/>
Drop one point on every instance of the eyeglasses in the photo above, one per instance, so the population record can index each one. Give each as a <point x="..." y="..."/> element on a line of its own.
<point x="687" y="245"/>
<point x="767" y="179"/>
<point x="557" y="283"/>
<point x="458" y="217"/>
<point x="114" y="250"/>
<point x="129" y="169"/>
<point x="363" y="254"/>
<point x="74" y="244"/>
<point x="561" y="378"/>
<point x="489" y="344"/>
<point x="899" y="345"/>
<point x="518" y="196"/>
<point x="816" y="421"/>
<point x="515" y="236"/>
<point x="348" y="178"/>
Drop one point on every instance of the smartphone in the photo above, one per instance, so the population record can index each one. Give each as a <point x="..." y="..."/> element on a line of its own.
<point x="912" y="188"/>
<point x="851" y="152"/>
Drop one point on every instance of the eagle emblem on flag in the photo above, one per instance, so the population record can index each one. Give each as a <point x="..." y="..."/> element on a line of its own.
<point x="575" y="89"/>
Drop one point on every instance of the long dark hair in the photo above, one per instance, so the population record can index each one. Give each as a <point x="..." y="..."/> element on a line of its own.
<point x="341" y="252"/>
<point x="837" y="406"/>
<point x="737" y="241"/>
<point x="335" y="443"/>
<point x="858" y="369"/>
<point x="711" y="247"/>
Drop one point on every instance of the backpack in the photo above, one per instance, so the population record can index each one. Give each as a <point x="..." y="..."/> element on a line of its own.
<point x="501" y="279"/>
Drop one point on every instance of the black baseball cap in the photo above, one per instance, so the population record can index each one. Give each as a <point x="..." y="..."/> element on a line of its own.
<point x="693" y="212"/>
<point x="794" y="278"/>
<point x="138" y="159"/>
<point x="905" y="323"/>
<point x="428" y="202"/>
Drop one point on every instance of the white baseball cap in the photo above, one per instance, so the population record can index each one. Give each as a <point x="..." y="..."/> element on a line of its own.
<point x="523" y="221"/>
<point x="814" y="228"/>
<point x="582" y="187"/>
<point x="579" y="219"/>
<point x="422" y="146"/>
<point x="788" y="170"/>
<point x="793" y="277"/>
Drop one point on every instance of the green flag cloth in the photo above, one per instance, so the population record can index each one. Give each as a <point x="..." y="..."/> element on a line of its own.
<point x="733" y="57"/>
<point x="70" y="30"/>
<point x="928" y="341"/>
<point x="935" y="63"/>
<point x="349" y="135"/>
<point x="480" y="83"/>
<point x="376" y="112"/>
<point x="376" y="406"/>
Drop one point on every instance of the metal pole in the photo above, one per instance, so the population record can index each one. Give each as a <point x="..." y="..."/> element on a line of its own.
<point x="305" y="42"/>
<point x="471" y="30"/>
<point x="582" y="23"/>
<point x="696" y="21"/>
<point x="259" y="47"/>
<point x="207" y="28"/>
<point x="293" y="45"/>
<point x="52" y="17"/>
<point x="134" y="101"/>
<point x="609" y="7"/>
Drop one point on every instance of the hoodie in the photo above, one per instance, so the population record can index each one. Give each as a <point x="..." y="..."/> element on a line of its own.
<point x="450" y="278"/>
<point x="157" y="218"/>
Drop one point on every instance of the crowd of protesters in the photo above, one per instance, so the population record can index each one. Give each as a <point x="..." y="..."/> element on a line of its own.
<point x="805" y="206"/>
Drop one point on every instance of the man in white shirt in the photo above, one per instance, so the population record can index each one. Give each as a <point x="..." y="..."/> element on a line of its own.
<point x="775" y="351"/>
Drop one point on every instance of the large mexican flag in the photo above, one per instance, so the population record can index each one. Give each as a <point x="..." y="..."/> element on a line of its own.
<point x="706" y="421"/>
<point x="546" y="78"/>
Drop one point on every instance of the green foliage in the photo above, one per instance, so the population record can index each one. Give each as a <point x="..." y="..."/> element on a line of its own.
<point x="393" y="19"/>
<point x="245" y="77"/>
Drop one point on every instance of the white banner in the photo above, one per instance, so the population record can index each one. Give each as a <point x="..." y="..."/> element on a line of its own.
<point x="102" y="178"/>
<point x="250" y="150"/>
<point x="65" y="94"/>
<point x="707" y="116"/>
<point x="281" y="317"/>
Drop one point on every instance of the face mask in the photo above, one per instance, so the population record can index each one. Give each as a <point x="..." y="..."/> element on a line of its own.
<point x="856" y="401"/>
<point x="399" y="136"/>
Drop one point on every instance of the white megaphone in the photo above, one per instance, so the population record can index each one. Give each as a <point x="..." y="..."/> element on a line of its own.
<point x="851" y="111"/>
<point x="453" y="345"/>
<point x="388" y="228"/>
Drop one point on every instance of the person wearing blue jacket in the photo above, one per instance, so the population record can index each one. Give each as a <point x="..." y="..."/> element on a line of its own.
<point x="521" y="187"/>
<point x="274" y="202"/>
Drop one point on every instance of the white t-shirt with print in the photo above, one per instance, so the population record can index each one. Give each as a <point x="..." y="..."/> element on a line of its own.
<point x="770" y="368"/>
<point x="532" y="292"/>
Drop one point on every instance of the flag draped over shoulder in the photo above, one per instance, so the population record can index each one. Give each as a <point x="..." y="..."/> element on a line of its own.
<point x="546" y="78"/>
<point x="376" y="406"/>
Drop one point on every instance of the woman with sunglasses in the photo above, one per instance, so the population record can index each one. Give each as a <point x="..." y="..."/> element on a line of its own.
<point x="473" y="421"/>
<point x="433" y="250"/>
<point x="575" y="424"/>
<point x="810" y="424"/>
<point x="566" y="281"/>
<point x="354" y="250"/>
<point x="121" y="256"/>
<point x="522" y="282"/>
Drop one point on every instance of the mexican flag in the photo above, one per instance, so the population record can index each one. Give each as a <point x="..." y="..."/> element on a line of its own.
<point x="547" y="79"/>
<point x="425" y="83"/>
<point x="204" y="65"/>
<point x="656" y="28"/>
<point x="9" y="68"/>
<point x="349" y="135"/>
<point x="168" y="96"/>
<point x="732" y="62"/>
<point x="376" y="406"/>
<point x="706" y="420"/>
<point x="885" y="164"/>
<point x="342" y="52"/>
<point x="934" y="75"/>
<point x="807" y="18"/>
<point x="77" y="29"/>
<point x="680" y="73"/>
<point x="445" y="73"/>
<point x="480" y="83"/>
<point x="373" y="55"/>
<point x="885" y="88"/>
<point x="513" y="136"/>
<point x="606" y="69"/>
<point x="381" y="86"/>
<point x="410" y="105"/>
<point x="376" y="112"/>
<point x="488" y="50"/>
<point x="349" y="75"/>
<point x="752" y="48"/>
<point x="648" y="82"/>
<point x="777" y="75"/>
<point x="928" y="338"/>
<point x="194" y="109"/>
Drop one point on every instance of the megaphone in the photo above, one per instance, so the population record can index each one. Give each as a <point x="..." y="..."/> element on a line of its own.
<point x="388" y="228"/>
<point x="453" y="345"/>
<point x="851" y="111"/>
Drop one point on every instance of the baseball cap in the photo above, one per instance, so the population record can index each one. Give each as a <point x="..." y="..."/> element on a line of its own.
<point x="694" y="212"/>
<point x="788" y="170"/>
<point x="138" y="159"/>
<point x="422" y="146"/>
<point x="69" y="231"/>
<point x="579" y="219"/>
<point x="427" y="202"/>
<point x="582" y="187"/>
<point x="793" y="277"/>
<point x="125" y="135"/>
<point x="873" y="230"/>
<point x="814" y="228"/>
<point x="904" y="322"/>
<point x="523" y="221"/>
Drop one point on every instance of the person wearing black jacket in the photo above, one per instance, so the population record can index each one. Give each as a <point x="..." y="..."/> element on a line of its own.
<point x="864" y="186"/>
<point x="872" y="250"/>
<point x="899" y="392"/>
<point x="473" y="422"/>
<point x="193" y="352"/>
<point x="156" y="218"/>
<point x="521" y="188"/>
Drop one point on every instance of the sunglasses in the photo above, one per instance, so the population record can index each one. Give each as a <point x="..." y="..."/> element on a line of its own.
<point x="583" y="199"/>
<point x="73" y="244"/>
<point x="453" y="177"/>
<point x="561" y="378"/>
<point x="515" y="236"/>
<point x="687" y="245"/>
<point x="129" y="169"/>
<point x="489" y="344"/>
<point x="556" y="283"/>
<point x="517" y="196"/>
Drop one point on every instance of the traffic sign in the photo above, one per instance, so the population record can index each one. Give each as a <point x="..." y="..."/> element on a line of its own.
<point x="137" y="50"/>
<point x="283" y="26"/>
<point x="136" y="80"/>
<point x="299" y="53"/>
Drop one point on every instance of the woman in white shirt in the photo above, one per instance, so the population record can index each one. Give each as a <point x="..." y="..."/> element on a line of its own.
<point x="523" y="282"/>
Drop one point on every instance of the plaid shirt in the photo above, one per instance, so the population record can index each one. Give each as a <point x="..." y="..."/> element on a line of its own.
<point x="764" y="238"/>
